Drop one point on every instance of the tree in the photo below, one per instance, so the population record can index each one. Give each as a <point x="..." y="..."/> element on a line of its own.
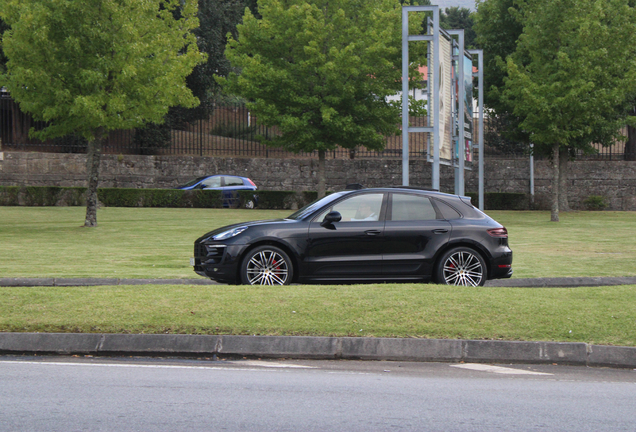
<point x="498" y="28"/>
<point x="456" y="18"/>
<point x="3" y="58"/>
<point x="571" y="75"/>
<point x="320" y="70"/>
<point x="87" y="68"/>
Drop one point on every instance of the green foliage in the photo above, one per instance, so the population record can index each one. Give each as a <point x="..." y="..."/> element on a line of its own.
<point x="132" y="197"/>
<point x="595" y="202"/>
<point x="9" y="195"/>
<point x="320" y="71"/>
<point x="128" y="197"/>
<point x="456" y="18"/>
<point x="498" y="29"/>
<point x="100" y="65"/>
<point x="572" y="72"/>
<point x="42" y="196"/>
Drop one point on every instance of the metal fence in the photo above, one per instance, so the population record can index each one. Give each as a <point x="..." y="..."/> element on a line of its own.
<point x="231" y="131"/>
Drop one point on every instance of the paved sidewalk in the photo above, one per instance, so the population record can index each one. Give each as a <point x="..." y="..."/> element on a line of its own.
<point x="519" y="283"/>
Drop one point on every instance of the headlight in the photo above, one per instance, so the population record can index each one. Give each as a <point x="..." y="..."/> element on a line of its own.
<point x="228" y="234"/>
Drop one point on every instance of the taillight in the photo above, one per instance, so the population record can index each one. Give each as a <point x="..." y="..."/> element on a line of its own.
<point x="251" y="182"/>
<point x="498" y="232"/>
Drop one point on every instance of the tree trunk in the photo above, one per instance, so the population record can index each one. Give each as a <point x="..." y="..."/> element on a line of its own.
<point x="93" y="157"/>
<point x="554" y="214"/>
<point x="630" y="146"/>
<point x="564" y="157"/>
<point x="321" y="174"/>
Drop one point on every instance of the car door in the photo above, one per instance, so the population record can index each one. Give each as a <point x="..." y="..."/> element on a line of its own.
<point x="352" y="247"/>
<point x="414" y="231"/>
<point x="230" y="185"/>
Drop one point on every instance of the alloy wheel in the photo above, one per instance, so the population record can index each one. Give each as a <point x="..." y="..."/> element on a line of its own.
<point x="267" y="267"/>
<point x="463" y="268"/>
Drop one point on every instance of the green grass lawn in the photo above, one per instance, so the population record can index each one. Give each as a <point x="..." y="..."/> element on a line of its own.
<point x="604" y="315"/>
<point x="157" y="243"/>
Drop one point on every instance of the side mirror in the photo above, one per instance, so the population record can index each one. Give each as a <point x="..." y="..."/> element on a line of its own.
<point x="331" y="217"/>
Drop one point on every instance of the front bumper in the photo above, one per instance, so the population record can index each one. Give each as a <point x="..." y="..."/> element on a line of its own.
<point x="219" y="262"/>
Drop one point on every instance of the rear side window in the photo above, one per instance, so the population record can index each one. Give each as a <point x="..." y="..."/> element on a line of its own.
<point x="233" y="181"/>
<point x="447" y="211"/>
<point x="405" y="207"/>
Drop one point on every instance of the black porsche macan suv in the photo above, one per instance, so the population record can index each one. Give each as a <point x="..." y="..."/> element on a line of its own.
<point x="367" y="235"/>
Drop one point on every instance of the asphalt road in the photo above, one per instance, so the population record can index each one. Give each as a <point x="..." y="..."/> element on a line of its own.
<point x="117" y="394"/>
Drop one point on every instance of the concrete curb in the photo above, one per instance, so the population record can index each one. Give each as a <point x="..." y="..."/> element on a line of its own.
<point x="307" y="347"/>
<point x="572" y="282"/>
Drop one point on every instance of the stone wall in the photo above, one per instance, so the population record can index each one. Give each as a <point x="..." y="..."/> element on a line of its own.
<point x="614" y="180"/>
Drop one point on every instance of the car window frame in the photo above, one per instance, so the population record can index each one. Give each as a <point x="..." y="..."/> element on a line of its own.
<point x="224" y="180"/>
<point x="329" y="208"/>
<point x="389" y="211"/>
<point x="436" y="200"/>
<point x="210" y="178"/>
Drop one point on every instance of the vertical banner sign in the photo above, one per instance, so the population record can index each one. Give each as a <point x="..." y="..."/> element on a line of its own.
<point x="445" y="89"/>
<point x="468" y="109"/>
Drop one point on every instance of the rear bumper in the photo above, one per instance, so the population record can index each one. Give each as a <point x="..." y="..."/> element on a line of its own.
<point x="501" y="265"/>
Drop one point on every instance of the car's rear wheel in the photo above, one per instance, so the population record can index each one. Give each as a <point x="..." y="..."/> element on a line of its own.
<point x="267" y="265"/>
<point x="461" y="266"/>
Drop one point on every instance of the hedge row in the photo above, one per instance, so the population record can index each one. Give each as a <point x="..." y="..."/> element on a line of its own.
<point x="128" y="197"/>
<point x="502" y="200"/>
<point x="125" y="197"/>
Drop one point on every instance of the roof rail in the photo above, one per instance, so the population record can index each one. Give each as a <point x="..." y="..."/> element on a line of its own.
<point x="414" y="188"/>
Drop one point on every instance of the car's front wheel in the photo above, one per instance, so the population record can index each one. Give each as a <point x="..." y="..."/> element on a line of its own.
<point x="461" y="266"/>
<point x="267" y="265"/>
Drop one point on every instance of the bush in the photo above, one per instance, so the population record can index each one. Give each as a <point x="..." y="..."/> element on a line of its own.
<point x="502" y="200"/>
<point x="130" y="197"/>
<point x="42" y="196"/>
<point x="9" y="195"/>
<point x="595" y="202"/>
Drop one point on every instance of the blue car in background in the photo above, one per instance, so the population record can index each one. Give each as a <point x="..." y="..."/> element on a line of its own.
<point x="228" y="184"/>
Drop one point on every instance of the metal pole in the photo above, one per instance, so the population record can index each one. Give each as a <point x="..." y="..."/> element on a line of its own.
<point x="480" y="88"/>
<point x="436" y="82"/>
<point x="405" y="87"/>
<point x="459" y="169"/>
<point x="532" y="173"/>
<point x="405" y="97"/>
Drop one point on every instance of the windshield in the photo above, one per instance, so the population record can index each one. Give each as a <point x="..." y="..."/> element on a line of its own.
<point x="310" y="208"/>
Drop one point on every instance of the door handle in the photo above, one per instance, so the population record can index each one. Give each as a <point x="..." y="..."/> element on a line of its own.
<point x="373" y="232"/>
<point x="440" y="231"/>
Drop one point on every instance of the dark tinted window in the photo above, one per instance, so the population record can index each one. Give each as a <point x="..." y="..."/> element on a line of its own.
<point x="233" y="181"/>
<point x="447" y="211"/>
<point x="406" y="207"/>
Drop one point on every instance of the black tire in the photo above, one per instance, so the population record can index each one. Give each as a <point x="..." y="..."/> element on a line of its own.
<point x="461" y="266"/>
<point x="267" y="265"/>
